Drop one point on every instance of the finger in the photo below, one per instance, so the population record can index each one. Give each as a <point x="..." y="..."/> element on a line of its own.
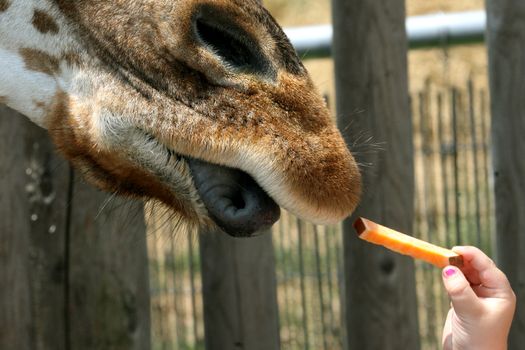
<point x="463" y="298"/>
<point x="488" y="274"/>
<point x="474" y="257"/>
<point x="446" y="339"/>
<point x="471" y="274"/>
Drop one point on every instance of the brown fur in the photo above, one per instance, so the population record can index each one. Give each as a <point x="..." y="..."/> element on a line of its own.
<point x="40" y="61"/>
<point x="4" y="5"/>
<point x="44" y="23"/>
<point x="158" y="75"/>
<point x="3" y="100"/>
<point x="109" y="171"/>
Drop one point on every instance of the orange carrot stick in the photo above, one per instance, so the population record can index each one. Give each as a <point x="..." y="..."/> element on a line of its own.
<point x="407" y="245"/>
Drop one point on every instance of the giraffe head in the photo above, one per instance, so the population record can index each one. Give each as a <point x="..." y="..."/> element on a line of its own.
<point x="203" y="105"/>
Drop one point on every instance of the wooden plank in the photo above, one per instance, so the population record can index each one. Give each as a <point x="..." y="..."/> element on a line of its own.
<point x="68" y="280"/>
<point x="33" y="212"/>
<point x="506" y="35"/>
<point x="370" y="52"/>
<point x="108" y="286"/>
<point x="239" y="292"/>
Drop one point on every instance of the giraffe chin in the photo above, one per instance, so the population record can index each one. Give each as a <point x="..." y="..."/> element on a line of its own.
<point x="234" y="200"/>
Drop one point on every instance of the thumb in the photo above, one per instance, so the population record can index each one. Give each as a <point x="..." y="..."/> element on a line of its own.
<point x="464" y="300"/>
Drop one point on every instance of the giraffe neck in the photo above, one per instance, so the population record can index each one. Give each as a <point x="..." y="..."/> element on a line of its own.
<point x="36" y="49"/>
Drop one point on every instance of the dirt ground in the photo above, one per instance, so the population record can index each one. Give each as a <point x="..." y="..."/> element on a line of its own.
<point x="443" y="66"/>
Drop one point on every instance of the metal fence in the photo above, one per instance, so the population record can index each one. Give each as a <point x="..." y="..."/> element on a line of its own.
<point x="453" y="186"/>
<point x="453" y="206"/>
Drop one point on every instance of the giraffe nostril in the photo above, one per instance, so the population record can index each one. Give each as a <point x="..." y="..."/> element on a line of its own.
<point x="234" y="47"/>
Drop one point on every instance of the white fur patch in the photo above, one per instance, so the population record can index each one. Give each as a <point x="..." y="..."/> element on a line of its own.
<point x="25" y="90"/>
<point x="28" y="91"/>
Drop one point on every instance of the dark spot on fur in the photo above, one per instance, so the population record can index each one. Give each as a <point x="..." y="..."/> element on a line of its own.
<point x="44" y="23"/>
<point x="72" y="59"/>
<point x="40" y="61"/>
<point x="4" y="5"/>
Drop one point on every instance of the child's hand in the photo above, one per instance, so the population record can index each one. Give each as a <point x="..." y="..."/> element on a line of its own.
<point x="483" y="303"/>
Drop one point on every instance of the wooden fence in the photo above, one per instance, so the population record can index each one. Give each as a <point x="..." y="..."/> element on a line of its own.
<point x="73" y="262"/>
<point x="72" y="276"/>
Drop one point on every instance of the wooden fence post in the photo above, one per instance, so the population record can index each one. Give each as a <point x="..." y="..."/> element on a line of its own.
<point x="370" y="52"/>
<point x="506" y="38"/>
<point x="239" y="292"/>
<point x="68" y="280"/>
<point x="108" y="284"/>
<point x="33" y="217"/>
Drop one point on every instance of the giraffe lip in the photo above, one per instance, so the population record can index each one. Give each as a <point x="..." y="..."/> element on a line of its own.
<point x="234" y="200"/>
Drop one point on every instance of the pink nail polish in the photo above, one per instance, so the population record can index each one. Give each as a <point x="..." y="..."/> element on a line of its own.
<point x="449" y="272"/>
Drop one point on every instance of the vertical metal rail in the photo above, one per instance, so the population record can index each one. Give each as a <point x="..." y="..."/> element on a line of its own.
<point x="329" y="276"/>
<point x="424" y="227"/>
<point x="455" y="162"/>
<point x="465" y="164"/>
<point x="474" y="139"/>
<point x="443" y="152"/>
<point x="296" y="282"/>
<point x="485" y="141"/>
<point x="343" y="339"/>
<point x="302" y="283"/>
<point x="191" y="257"/>
<point x="320" y="284"/>
<point x="284" y="282"/>
<point x="172" y="292"/>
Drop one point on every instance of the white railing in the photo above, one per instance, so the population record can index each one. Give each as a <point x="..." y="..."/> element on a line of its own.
<point x="423" y="31"/>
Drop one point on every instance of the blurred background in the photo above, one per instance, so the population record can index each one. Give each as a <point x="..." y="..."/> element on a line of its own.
<point x="450" y="103"/>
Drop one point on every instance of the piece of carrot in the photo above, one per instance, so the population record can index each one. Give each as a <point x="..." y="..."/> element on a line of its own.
<point x="407" y="245"/>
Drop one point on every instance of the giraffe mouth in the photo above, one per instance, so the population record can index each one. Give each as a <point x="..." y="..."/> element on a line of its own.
<point x="234" y="200"/>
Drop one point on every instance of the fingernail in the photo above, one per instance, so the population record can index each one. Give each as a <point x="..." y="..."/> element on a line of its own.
<point x="449" y="272"/>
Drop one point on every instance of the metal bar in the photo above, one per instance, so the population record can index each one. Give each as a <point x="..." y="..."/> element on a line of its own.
<point x="303" y="287"/>
<point x="178" y="315"/>
<point x="456" y="166"/>
<point x="320" y="284"/>
<point x="295" y="281"/>
<point x="486" y="177"/>
<point x="463" y="143"/>
<point x="329" y="273"/>
<point x="466" y="167"/>
<point x="423" y="31"/>
<point x="193" y="289"/>
<point x="286" y="322"/>
<point x="475" y="155"/>
<point x="444" y="152"/>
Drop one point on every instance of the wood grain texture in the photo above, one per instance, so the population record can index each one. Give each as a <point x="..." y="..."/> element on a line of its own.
<point x="239" y="292"/>
<point x="370" y="52"/>
<point x="108" y="272"/>
<point x="506" y="42"/>
<point x="69" y="279"/>
<point x="33" y="211"/>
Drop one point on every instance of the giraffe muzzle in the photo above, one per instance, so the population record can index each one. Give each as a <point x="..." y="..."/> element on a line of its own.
<point x="234" y="200"/>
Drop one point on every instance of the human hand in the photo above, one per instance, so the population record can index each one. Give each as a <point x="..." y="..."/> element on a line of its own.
<point x="482" y="303"/>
